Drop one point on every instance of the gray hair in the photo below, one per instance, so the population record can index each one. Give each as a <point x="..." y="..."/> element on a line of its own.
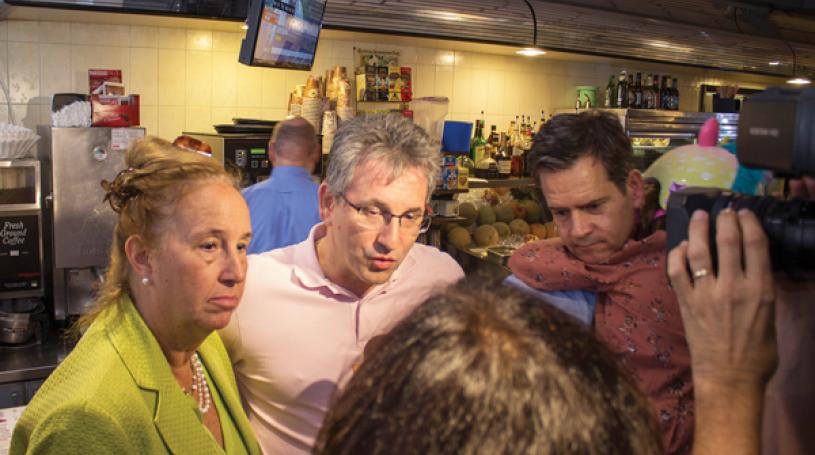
<point x="392" y="140"/>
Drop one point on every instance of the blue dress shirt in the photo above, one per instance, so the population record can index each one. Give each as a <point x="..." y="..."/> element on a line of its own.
<point x="577" y="304"/>
<point x="283" y="208"/>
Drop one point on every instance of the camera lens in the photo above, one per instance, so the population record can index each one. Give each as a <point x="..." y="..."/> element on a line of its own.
<point x="789" y="225"/>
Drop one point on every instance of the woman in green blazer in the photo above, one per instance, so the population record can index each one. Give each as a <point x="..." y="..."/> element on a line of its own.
<point x="150" y="375"/>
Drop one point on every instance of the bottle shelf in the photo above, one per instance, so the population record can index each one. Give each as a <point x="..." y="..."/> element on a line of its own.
<point x="517" y="182"/>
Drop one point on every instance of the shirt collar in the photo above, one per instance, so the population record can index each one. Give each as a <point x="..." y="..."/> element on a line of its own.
<point x="290" y="171"/>
<point x="308" y="271"/>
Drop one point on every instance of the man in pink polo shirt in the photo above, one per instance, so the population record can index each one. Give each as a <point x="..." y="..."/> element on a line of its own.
<point x="309" y="309"/>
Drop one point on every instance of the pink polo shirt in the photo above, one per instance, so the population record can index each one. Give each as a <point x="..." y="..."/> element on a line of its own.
<point x="296" y="335"/>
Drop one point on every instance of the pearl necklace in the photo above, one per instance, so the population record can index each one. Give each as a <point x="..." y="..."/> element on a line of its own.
<point x="199" y="384"/>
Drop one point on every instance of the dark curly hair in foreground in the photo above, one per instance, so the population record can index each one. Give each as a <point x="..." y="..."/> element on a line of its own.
<point x="486" y="370"/>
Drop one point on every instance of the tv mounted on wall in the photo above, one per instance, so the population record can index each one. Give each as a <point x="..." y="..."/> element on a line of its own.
<point x="282" y="33"/>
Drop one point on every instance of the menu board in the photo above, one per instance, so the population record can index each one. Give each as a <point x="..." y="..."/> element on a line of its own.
<point x="288" y="33"/>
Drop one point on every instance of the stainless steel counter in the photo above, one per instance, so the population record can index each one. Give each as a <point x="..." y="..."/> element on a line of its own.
<point x="32" y="362"/>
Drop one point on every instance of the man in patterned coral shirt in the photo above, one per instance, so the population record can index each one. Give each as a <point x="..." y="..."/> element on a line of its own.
<point x="584" y="164"/>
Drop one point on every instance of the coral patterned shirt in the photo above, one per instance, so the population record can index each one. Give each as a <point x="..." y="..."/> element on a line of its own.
<point x="637" y="316"/>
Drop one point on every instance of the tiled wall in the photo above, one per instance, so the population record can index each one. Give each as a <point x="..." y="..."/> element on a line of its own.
<point x="190" y="79"/>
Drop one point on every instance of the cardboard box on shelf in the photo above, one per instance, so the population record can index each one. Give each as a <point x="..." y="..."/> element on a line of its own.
<point x="115" y="111"/>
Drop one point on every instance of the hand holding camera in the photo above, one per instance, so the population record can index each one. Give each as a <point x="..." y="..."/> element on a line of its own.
<point x="729" y="323"/>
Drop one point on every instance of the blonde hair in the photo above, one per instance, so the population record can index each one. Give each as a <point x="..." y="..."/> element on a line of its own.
<point x="143" y="194"/>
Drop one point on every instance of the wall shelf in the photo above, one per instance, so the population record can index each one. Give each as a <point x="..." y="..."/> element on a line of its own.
<point x="502" y="183"/>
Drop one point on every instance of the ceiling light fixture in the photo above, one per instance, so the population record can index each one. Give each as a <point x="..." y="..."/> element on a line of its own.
<point x="534" y="50"/>
<point x="796" y="80"/>
<point x="244" y="26"/>
<point x="799" y="81"/>
<point x="774" y="63"/>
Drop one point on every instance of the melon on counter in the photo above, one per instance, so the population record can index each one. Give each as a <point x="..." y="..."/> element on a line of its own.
<point x="486" y="235"/>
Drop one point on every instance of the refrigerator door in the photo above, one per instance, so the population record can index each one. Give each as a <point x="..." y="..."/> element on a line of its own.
<point x="83" y="223"/>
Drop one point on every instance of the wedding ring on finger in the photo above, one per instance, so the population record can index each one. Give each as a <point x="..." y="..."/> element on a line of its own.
<point x="700" y="273"/>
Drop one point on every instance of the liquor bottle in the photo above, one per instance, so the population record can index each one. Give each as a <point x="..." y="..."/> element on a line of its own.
<point x="638" y="104"/>
<point x="655" y="92"/>
<point x="648" y="100"/>
<point x="632" y="97"/>
<point x="504" y="157"/>
<point x="664" y="94"/>
<point x="478" y="144"/>
<point x="674" y="96"/>
<point x="611" y="89"/>
<point x="622" y="90"/>
<point x="493" y="137"/>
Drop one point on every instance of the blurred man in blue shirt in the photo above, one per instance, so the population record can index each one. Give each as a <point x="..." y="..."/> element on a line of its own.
<point x="284" y="208"/>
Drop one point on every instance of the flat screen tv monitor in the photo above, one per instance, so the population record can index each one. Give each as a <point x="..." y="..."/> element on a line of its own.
<point x="282" y="33"/>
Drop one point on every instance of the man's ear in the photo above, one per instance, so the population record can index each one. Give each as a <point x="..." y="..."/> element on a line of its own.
<point x="636" y="188"/>
<point x="272" y="153"/>
<point x="138" y="256"/>
<point x="327" y="202"/>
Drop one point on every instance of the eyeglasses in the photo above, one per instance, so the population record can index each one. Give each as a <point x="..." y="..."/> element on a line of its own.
<point x="373" y="217"/>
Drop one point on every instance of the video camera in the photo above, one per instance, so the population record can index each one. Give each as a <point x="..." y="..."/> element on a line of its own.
<point x="776" y="132"/>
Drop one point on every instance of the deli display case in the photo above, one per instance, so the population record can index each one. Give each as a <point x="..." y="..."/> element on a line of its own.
<point x="654" y="132"/>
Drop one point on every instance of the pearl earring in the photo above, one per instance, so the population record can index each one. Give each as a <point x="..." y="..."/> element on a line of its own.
<point x="145" y="281"/>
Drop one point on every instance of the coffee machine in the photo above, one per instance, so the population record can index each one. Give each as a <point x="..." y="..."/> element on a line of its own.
<point x="21" y="270"/>
<point x="78" y="227"/>
<point x="243" y="154"/>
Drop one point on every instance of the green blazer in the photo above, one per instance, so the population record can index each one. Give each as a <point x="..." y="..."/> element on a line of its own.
<point x="115" y="394"/>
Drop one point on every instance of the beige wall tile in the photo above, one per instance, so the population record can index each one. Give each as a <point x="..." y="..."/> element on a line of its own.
<point x="343" y="50"/>
<point x="95" y="34"/>
<point x="199" y="120"/>
<point x="424" y="80"/>
<point x="250" y="86"/>
<point x="224" y="79"/>
<point x="223" y="115"/>
<point x="199" y="78"/>
<point x="325" y="50"/>
<point x="274" y="114"/>
<point x="199" y="40"/>
<point x="172" y="72"/>
<point x="480" y="90"/>
<point x="172" y="38"/>
<point x="23" y="31"/>
<point x="444" y="81"/>
<point x="512" y="93"/>
<point x="248" y="112"/>
<point x="55" y="32"/>
<point x="4" y="62"/>
<point x="227" y="42"/>
<point x="143" y="36"/>
<point x="495" y="87"/>
<point x="3" y="30"/>
<point x="171" y="121"/>
<point x="148" y="117"/>
<point x="528" y="95"/>
<point x="462" y="88"/>
<point x="143" y="79"/>
<point x="24" y="71"/>
<point x="275" y="92"/>
<point x="55" y="67"/>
